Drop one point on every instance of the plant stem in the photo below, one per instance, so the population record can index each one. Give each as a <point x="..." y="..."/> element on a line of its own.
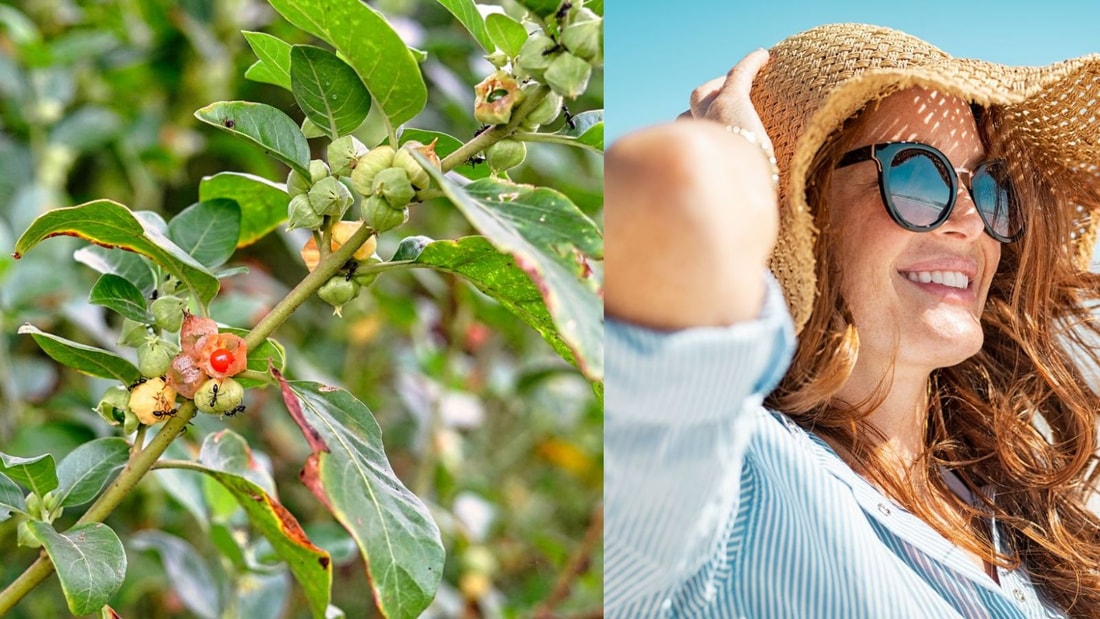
<point x="305" y="288"/>
<point x="135" y="469"/>
<point x="497" y="133"/>
<point x="578" y="564"/>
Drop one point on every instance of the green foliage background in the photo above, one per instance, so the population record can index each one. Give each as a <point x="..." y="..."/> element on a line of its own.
<point x="480" y="417"/>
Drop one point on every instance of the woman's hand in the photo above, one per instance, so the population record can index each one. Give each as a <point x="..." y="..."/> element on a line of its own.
<point x="691" y="214"/>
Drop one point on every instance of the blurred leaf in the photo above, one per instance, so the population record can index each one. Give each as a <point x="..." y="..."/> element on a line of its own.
<point x="11" y="498"/>
<point x="466" y="12"/>
<point x="20" y="28"/>
<point x="595" y="5"/>
<point x="221" y="535"/>
<point x="348" y="471"/>
<point x="445" y="145"/>
<point x="207" y="230"/>
<point x="496" y="274"/>
<point x="87" y="469"/>
<point x="273" y="66"/>
<point x="86" y="129"/>
<point x="263" y="125"/>
<point x="508" y="34"/>
<point x="127" y="264"/>
<point x="188" y="573"/>
<point x="109" y="223"/>
<point x="117" y="293"/>
<point x="37" y="473"/>
<point x="263" y="204"/>
<point x="225" y="457"/>
<point x="183" y="486"/>
<point x="262" y="596"/>
<point x="82" y="358"/>
<point x="90" y="563"/>
<point x="549" y="237"/>
<point x="370" y="46"/>
<point x="328" y="90"/>
<point x="542" y="8"/>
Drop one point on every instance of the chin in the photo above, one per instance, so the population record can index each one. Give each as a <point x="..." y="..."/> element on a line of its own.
<point x="944" y="343"/>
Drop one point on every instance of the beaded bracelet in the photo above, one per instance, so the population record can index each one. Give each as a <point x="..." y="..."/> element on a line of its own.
<point x="767" y="150"/>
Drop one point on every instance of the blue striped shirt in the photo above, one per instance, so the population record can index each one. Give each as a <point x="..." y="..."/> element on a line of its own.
<point x="717" y="507"/>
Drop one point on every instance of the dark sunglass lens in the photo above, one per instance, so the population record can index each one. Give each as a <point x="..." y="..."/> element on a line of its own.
<point x="919" y="185"/>
<point x="996" y="199"/>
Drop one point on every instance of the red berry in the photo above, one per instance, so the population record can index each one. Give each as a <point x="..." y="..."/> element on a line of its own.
<point x="220" y="360"/>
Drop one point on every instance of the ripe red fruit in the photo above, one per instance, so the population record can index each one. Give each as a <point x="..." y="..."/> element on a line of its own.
<point x="220" y="360"/>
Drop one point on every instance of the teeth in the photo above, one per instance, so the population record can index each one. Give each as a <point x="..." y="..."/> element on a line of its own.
<point x="952" y="279"/>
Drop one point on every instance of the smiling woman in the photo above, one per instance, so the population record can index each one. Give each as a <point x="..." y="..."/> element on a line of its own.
<point x="925" y="448"/>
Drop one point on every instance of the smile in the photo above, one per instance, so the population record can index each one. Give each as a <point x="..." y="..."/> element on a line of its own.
<point x="951" y="279"/>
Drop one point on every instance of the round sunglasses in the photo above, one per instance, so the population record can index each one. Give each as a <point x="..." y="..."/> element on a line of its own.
<point x="919" y="186"/>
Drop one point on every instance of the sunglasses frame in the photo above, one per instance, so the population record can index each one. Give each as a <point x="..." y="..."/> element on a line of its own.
<point x="887" y="151"/>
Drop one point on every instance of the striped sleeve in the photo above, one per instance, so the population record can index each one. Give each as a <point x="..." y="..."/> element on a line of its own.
<point x="677" y="421"/>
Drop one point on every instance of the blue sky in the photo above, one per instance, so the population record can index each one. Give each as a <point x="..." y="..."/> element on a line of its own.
<point x="657" y="51"/>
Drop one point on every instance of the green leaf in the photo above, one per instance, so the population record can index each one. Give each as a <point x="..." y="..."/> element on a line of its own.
<point x="109" y="223"/>
<point x="264" y="125"/>
<point x="445" y="145"/>
<point x="508" y="34"/>
<point x="225" y="457"/>
<point x="83" y="358"/>
<point x="371" y="47"/>
<point x="37" y="473"/>
<point x="549" y="238"/>
<point x="117" y="293"/>
<point x="466" y="12"/>
<point x="86" y="470"/>
<point x="183" y="486"/>
<point x="328" y="90"/>
<point x="90" y="563"/>
<point x="273" y="66"/>
<point x="348" y="471"/>
<point x="496" y="274"/>
<point x="11" y="498"/>
<point x="187" y="571"/>
<point x="263" y="203"/>
<point x="595" y="5"/>
<point x="134" y="268"/>
<point x="207" y="230"/>
<point x="542" y="8"/>
<point x="587" y="129"/>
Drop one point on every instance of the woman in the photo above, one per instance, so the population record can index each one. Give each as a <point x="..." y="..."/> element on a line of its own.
<point x="926" y="448"/>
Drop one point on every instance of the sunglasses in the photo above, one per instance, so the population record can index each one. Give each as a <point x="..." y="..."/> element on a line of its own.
<point x="919" y="186"/>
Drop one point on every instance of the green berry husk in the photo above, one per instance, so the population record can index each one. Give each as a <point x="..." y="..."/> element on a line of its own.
<point x="393" y="185"/>
<point x="24" y="537"/>
<point x="168" y="312"/>
<point x="216" y="397"/>
<point x="329" y="196"/>
<point x="418" y="176"/>
<point x="535" y="56"/>
<point x="343" y="155"/>
<point x="568" y="75"/>
<point x="34" y="505"/>
<point x="113" y="405"/>
<point x="300" y="214"/>
<point x="338" y="291"/>
<point x="505" y="155"/>
<point x="296" y="184"/>
<point x="546" y="111"/>
<point x="584" y="38"/>
<point x="317" y="170"/>
<point x="368" y="166"/>
<point x="381" y="216"/>
<point x="153" y="357"/>
<point x="132" y="333"/>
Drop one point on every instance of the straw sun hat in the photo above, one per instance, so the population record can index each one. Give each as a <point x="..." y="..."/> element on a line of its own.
<point x="815" y="80"/>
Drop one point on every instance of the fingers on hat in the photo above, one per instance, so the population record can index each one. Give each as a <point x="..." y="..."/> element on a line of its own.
<point x="702" y="96"/>
<point x="741" y="75"/>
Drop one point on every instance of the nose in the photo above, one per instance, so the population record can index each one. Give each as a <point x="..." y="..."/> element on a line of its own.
<point x="965" y="221"/>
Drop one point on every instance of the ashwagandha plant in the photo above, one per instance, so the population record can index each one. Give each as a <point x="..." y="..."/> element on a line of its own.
<point x="537" y="255"/>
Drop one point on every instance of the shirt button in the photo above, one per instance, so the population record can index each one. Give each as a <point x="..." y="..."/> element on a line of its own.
<point x="884" y="508"/>
<point x="1019" y="595"/>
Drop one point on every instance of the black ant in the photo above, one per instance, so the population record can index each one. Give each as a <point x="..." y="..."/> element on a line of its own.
<point x="475" y="160"/>
<point x="153" y="297"/>
<point x="214" y="397"/>
<point x="166" y="413"/>
<point x="568" y="117"/>
<point x="482" y="129"/>
<point x="137" y="382"/>
<point x="350" y="267"/>
<point x="229" y="123"/>
<point x="563" y="11"/>
<point x="235" y="411"/>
